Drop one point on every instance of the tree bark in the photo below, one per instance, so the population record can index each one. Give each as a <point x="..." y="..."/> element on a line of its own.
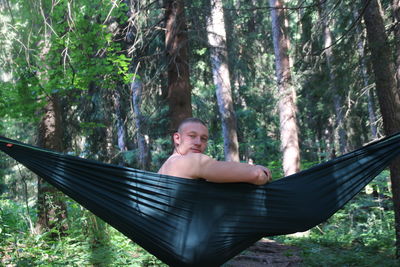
<point x="287" y="107"/>
<point x="121" y="133"/>
<point x="52" y="210"/>
<point x="386" y="89"/>
<point x="100" y="141"/>
<point x="176" y="42"/>
<point x="396" y="18"/>
<point x="219" y="61"/>
<point x="100" y="146"/>
<point x="364" y="76"/>
<point x="144" y="153"/>
<point x="340" y="133"/>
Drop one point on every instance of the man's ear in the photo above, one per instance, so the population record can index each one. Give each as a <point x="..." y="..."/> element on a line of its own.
<point x="177" y="138"/>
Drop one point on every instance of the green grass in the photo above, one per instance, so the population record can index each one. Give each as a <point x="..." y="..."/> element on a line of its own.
<point x="320" y="251"/>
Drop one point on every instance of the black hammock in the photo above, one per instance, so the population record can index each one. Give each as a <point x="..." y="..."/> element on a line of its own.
<point x="188" y="222"/>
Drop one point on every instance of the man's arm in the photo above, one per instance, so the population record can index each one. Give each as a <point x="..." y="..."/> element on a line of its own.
<point x="198" y="165"/>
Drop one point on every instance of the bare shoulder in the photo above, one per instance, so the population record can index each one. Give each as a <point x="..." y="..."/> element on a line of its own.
<point x="195" y="157"/>
<point x="191" y="161"/>
<point x="186" y="166"/>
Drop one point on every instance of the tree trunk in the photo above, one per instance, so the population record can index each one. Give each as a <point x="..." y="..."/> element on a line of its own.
<point x="179" y="89"/>
<point x="52" y="210"/>
<point x="219" y="61"/>
<point x="99" y="144"/>
<point x="364" y="76"/>
<point x="287" y="107"/>
<point x="100" y="141"/>
<point x="144" y="153"/>
<point x="121" y="133"/>
<point x="252" y="20"/>
<point x="396" y="17"/>
<point x="340" y="133"/>
<point x="386" y="89"/>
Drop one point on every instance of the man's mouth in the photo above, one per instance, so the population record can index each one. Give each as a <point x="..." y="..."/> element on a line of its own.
<point x="195" y="150"/>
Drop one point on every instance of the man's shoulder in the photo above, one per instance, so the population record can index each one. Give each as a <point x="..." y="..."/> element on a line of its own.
<point x="190" y="157"/>
<point x="190" y="161"/>
<point x="187" y="166"/>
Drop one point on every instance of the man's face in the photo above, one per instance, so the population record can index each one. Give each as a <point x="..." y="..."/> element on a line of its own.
<point x="191" y="138"/>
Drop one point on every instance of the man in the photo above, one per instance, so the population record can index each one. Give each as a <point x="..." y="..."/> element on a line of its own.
<point x="188" y="160"/>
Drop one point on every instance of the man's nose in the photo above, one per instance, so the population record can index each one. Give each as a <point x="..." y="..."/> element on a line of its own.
<point x="197" y="141"/>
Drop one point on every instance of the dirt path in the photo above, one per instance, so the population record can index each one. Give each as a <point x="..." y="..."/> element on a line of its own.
<point x="269" y="253"/>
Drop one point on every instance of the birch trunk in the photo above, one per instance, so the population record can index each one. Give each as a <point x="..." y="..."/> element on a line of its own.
<point x="179" y="89"/>
<point x="219" y="61"/>
<point x="287" y="107"/>
<point x="386" y="89"/>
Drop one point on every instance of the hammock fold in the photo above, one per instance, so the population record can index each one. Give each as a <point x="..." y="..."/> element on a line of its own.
<point x="186" y="222"/>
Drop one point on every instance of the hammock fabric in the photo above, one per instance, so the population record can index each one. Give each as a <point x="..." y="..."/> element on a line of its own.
<point x="188" y="222"/>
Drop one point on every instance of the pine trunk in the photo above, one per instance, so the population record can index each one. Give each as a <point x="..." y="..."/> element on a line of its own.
<point x="386" y="89"/>
<point x="396" y="17"/>
<point x="51" y="208"/>
<point x="101" y="138"/>
<point x="364" y="76"/>
<point x="287" y="107"/>
<point x="340" y="133"/>
<point x="100" y="145"/>
<point x="179" y="89"/>
<point x="52" y="211"/>
<point x="219" y="61"/>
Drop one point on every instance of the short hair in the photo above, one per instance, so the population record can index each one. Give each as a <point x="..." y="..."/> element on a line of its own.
<point x="190" y="119"/>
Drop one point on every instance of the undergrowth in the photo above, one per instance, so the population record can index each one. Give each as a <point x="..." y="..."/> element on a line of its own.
<point x="361" y="234"/>
<point x="20" y="247"/>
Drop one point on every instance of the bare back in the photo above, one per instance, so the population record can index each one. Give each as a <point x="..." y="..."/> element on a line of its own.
<point x="177" y="165"/>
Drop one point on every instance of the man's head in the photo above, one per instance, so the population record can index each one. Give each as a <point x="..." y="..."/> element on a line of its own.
<point x="191" y="137"/>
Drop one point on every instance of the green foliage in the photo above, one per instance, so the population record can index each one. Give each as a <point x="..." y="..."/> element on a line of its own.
<point x="361" y="234"/>
<point x="18" y="246"/>
<point x="87" y="50"/>
<point x="67" y="60"/>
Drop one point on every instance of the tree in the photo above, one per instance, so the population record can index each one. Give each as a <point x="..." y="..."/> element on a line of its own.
<point x="337" y="98"/>
<point x="52" y="211"/>
<point x="396" y="17"/>
<point x="143" y="149"/>
<point x="386" y="90"/>
<point x="365" y="78"/>
<point x="287" y="106"/>
<point x="176" y="43"/>
<point x="219" y="61"/>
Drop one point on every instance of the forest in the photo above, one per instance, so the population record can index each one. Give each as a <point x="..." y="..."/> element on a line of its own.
<point x="284" y="84"/>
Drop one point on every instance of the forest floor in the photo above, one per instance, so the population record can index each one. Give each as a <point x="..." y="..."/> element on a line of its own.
<point x="269" y="253"/>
